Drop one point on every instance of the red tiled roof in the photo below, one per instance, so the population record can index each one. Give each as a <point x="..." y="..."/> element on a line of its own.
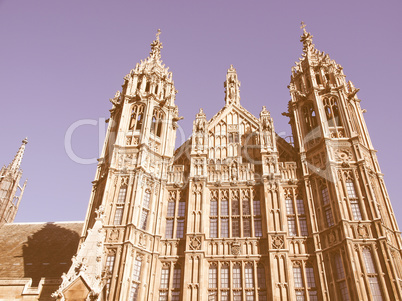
<point x="37" y="250"/>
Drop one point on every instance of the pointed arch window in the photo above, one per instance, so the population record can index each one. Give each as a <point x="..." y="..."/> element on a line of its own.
<point x="309" y="116"/>
<point x="157" y="120"/>
<point x="332" y="111"/>
<point x="137" y="117"/>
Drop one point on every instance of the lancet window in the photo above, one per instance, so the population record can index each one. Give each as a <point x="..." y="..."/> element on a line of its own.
<point x="110" y="259"/>
<point x="145" y="209"/>
<point x="233" y="280"/>
<point x="304" y="281"/>
<point x="137" y="117"/>
<point x="135" y="279"/>
<point x="340" y="277"/>
<point x="175" y="216"/>
<point x="309" y="116"/>
<point x="297" y="221"/>
<point x="353" y="199"/>
<point x="170" y="282"/>
<point x="372" y="274"/>
<point x="118" y="214"/>
<point x="157" y="120"/>
<point x="326" y="201"/>
<point x="332" y="111"/>
<point x="235" y="217"/>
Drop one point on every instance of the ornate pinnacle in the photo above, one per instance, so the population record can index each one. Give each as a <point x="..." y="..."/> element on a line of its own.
<point x="303" y="26"/>
<point x="306" y="38"/>
<point x="156" y="47"/>
<point x="16" y="163"/>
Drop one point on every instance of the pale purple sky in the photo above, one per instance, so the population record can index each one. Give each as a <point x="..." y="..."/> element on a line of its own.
<point x="62" y="60"/>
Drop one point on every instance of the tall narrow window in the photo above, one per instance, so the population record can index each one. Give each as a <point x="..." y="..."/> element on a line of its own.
<point x="144" y="219"/>
<point x="182" y="209"/>
<point x="147" y="197"/>
<point x="236" y="227"/>
<point x="310" y="277"/>
<point x="261" y="277"/>
<point x="246" y="207"/>
<point x="165" y="278"/>
<point x="329" y="217"/>
<point x="169" y="228"/>
<point x="325" y="195"/>
<point x="235" y="207"/>
<point x="110" y="263"/>
<point x="180" y="228"/>
<point x="289" y="206"/>
<point x="118" y="215"/>
<point x="249" y="274"/>
<point x="354" y="201"/>
<point x="225" y="276"/>
<point x="157" y="120"/>
<point x="213" y="227"/>
<point x="297" y="275"/>
<point x="122" y="195"/>
<point x="224" y="207"/>
<point x="212" y="277"/>
<point x="214" y="207"/>
<point x="292" y="226"/>
<point x="135" y="279"/>
<point x="237" y="276"/>
<point x="256" y="207"/>
<point x="171" y="208"/>
<point x="300" y="206"/>
<point x="176" y="278"/>
<point x="340" y="275"/>
<point x="257" y="227"/>
<point x="224" y="227"/>
<point x="303" y="226"/>
<point x="246" y="227"/>
<point x="137" y="117"/>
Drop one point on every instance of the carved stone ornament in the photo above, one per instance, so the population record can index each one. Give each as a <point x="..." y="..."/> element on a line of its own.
<point x="195" y="243"/>
<point x="363" y="231"/>
<point x="114" y="235"/>
<point x="277" y="242"/>
<point x="331" y="237"/>
<point x="343" y="155"/>
<point x="236" y="248"/>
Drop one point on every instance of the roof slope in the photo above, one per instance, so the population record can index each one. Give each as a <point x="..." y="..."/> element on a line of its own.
<point x="37" y="250"/>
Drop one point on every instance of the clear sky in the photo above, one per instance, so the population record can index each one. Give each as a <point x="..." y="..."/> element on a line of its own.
<point x="61" y="61"/>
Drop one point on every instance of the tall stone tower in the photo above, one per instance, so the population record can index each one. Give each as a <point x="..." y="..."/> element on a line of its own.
<point x="124" y="215"/>
<point x="354" y="234"/>
<point x="10" y="189"/>
<point x="236" y="212"/>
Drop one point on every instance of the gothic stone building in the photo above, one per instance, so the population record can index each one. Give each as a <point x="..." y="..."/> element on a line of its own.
<point x="237" y="212"/>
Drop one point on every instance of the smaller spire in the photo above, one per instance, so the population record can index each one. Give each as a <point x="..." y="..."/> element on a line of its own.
<point x="16" y="163"/>
<point x="156" y="47"/>
<point x="306" y="38"/>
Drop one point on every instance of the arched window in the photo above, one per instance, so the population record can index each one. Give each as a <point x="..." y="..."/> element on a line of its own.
<point x="332" y="112"/>
<point x="137" y="117"/>
<point x="156" y="126"/>
<point x="309" y="117"/>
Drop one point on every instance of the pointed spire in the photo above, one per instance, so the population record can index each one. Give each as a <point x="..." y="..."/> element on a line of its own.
<point x="232" y="85"/>
<point x="156" y="47"/>
<point x="307" y="39"/>
<point x="16" y="163"/>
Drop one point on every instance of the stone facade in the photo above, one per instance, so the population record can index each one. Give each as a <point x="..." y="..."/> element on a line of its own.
<point x="237" y="212"/>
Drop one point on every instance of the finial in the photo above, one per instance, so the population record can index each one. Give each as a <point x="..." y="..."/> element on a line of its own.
<point x="303" y="26"/>
<point x="158" y="34"/>
<point x="156" y="47"/>
<point x="25" y="141"/>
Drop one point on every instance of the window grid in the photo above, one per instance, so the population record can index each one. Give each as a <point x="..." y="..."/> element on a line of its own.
<point x="325" y="195"/>
<point x="303" y="226"/>
<point x="122" y="195"/>
<point x="340" y="272"/>
<point x="236" y="277"/>
<point x="310" y="277"/>
<point x="146" y="199"/>
<point x="354" y="205"/>
<point x="182" y="209"/>
<point x="225" y="277"/>
<point x="248" y="273"/>
<point x="329" y="217"/>
<point x="344" y="290"/>
<point x="144" y="219"/>
<point x="300" y="206"/>
<point x="297" y="275"/>
<point x="110" y="263"/>
<point x="350" y="188"/>
<point x="212" y="279"/>
<point x="368" y="261"/>
<point x="176" y="278"/>
<point x="289" y="206"/>
<point x="134" y="291"/>
<point x="165" y="278"/>
<point x="180" y="228"/>
<point x="292" y="226"/>
<point x="234" y="217"/>
<point x="171" y="208"/>
<point x="169" y="229"/>
<point x="118" y="215"/>
<point x="137" y="269"/>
